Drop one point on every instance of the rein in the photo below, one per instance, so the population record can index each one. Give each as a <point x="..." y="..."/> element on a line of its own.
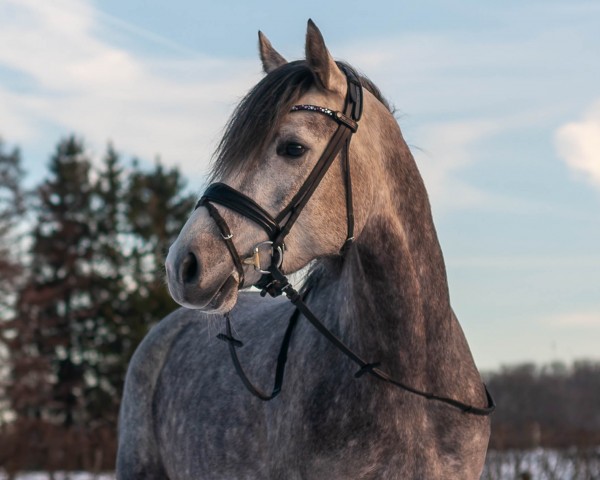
<point x="273" y="281"/>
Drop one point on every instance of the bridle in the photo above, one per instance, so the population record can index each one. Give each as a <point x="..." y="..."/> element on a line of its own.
<point x="278" y="227"/>
<point x="273" y="281"/>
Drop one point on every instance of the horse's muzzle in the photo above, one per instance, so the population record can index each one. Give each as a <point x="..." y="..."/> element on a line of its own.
<point x="184" y="279"/>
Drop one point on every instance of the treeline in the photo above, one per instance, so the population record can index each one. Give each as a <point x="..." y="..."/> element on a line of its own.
<point x="555" y="406"/>
<point x="78" y="298"/>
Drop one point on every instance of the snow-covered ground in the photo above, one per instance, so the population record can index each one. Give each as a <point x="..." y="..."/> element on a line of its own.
<point x="543" y="464"/>
<point x="539" y="464"/>
<point x="61" y="476"/>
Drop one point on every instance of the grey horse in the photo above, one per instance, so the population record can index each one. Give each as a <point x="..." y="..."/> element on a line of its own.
<point x="185" y="412"/>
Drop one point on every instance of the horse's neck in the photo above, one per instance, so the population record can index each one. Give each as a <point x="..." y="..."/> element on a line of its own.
<point x="394" y="285"/>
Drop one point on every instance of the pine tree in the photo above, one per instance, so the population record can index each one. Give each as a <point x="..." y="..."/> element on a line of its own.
<point x="136" y="219"/>
<point x="109" y="292"/>
<point x="157" y="208"/>
<point x="12" y="209"/>
<point x="50" y="354"/>
<point x="94" y="287"/>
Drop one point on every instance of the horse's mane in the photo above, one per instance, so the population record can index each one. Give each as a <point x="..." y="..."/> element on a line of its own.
<point x="258" y="116"/>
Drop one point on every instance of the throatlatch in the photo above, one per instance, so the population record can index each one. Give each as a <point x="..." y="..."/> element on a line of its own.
<point x="273" y="281"/>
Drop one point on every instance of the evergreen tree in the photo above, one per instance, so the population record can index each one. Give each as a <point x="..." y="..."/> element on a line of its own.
<point x="157" y="208"/>
<point x="109" y="293"/>
<point x="94" y="287"/>
<point x="51" y="352"/>
<point x="137" y="218"/>
<point x="12" y="209"/>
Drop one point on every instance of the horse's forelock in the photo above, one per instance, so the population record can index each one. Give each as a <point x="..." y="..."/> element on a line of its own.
<point x="259" y="114"/>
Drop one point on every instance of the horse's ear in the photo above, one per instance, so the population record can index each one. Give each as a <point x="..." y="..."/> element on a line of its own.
<point x="271" y="59"/>
<point x="321" y="62"/>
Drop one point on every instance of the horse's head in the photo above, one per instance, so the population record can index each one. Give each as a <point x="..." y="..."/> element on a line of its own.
<point x="269" y="149"/>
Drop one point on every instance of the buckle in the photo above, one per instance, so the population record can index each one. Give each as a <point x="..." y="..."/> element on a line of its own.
<point x="351" y="124"/>
<point x="254" y="260"/>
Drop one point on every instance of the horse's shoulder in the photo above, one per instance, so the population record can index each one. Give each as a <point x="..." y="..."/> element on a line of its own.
<point x="152" y="353"/>
<point x="154" y="348"/>
<point x="137" y="457"/>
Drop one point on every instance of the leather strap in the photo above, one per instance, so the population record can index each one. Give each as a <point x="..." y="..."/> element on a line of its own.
<point x="348" y="124"/>
<point x="299" y="201"/>
<point x="349" y="206"/>
<point x="281" y="358"/>
<point x="371" y="368"/>
<point x="227" y="237"/>
<point x="228" y="197"/>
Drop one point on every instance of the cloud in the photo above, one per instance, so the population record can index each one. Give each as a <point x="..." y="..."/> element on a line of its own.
<point x="478" y="90"/>
<point x="512" y="78"/>
<point x="73" y="79"/>
<point x="57" y="72"/>
<point x="578" y="143"/>
<point x="451" y="147"/>
<point x="586" y="319"/>
<point x="61" y="70"/>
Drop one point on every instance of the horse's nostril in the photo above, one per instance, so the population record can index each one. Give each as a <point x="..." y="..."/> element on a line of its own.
<point x="189" y="268"/>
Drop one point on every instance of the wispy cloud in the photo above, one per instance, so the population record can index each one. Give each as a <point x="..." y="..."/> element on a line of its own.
<point x="578" y="143"/>
<point x="78" y="82"/>
<point x="481" y="86"/>
<point x="451" y="146"/>
<point x="451" y="72"/>
<point x="66" y="74"/>
<point x="586" y="319"/>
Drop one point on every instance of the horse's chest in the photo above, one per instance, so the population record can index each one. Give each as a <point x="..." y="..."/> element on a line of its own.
<point x="341" y="431"/>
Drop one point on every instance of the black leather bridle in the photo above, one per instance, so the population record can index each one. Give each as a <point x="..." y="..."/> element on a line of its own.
<point x="278" y="227"/>
<point x="273" y="281"/>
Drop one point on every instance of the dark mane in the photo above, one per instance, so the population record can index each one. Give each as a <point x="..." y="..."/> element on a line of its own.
<point x="258" y="116"/>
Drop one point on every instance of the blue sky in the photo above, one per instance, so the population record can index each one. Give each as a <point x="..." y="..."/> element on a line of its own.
<point x="500" y="102"/>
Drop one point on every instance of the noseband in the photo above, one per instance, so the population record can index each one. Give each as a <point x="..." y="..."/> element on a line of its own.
<point x="273" y="281"/>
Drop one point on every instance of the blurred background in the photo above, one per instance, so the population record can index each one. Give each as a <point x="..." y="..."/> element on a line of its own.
<point x="109" y="113"/>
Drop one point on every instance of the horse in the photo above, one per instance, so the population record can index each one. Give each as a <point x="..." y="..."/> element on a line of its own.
<point x="376" y="284"/>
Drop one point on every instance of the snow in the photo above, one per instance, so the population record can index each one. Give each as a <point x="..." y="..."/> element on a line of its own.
<point x="540" y="464"/>
<point x="61" y="476"/>
<point x="543" y="464"/>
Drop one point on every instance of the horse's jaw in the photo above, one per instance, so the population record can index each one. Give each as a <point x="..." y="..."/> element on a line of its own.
<point x="223" y="299"/>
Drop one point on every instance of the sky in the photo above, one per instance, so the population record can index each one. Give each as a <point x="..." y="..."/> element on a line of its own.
<point x="499" y="101"/>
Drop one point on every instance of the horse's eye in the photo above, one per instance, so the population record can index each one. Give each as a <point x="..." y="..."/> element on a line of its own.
<point x="292" y="149"/>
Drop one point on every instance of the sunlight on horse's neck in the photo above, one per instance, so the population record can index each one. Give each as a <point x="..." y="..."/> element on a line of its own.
<point x="395" y="270"/>
<point x="400" y="234"/>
